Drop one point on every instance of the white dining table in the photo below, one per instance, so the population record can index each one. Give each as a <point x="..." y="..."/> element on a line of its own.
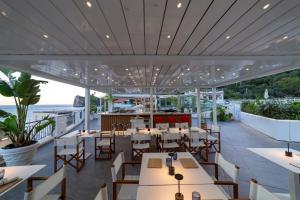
<point x="153" y="131"/>
<point x="23" y="172"/>
<point x="277" y="155"/>
<point x="160" y="176"/>
<point x="167" y="192"/>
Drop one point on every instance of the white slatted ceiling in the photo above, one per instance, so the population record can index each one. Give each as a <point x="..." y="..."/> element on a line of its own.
<point x="213" y="15"/>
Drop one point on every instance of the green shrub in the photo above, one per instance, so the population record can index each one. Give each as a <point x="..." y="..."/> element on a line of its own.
<point x="273" y="109"/>
<point x="222" y="114"/>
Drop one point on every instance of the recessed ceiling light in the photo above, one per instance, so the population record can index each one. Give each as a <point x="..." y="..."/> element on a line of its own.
<point x="126" y="69"/>
<point x="247" y="69"/>
<point x="266" y="6"/>
<point x="200" y="77"/>
<point x="222" y="77"/>
<point x="179" y="5"/>
<point x="3" y="13"/>
<point x="45" y="36"/>
<point x="96" y="69"/>
<point x="103" y="74"/>
<point x="208" y="74"/>
<point x="76" y="74"/>
<point x="188" y="69"/>
<point x="227" y="37"/>
<point x="89" y="4"/>
<point x="233" y="74"/>
<point x="218" y="69"/>
<point x="182" y="74"/>
<point x="107" y="36"/>
<point x="157" y="69"/>
<point x="65" y="69"/>
<point x="169" y="36"/>
<point x="285" y="37"/>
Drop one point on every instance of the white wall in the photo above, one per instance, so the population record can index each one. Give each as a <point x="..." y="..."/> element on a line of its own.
<point x="277" y="129"/>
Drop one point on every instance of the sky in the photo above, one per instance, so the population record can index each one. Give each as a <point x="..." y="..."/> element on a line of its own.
<point x="52" y="93"/>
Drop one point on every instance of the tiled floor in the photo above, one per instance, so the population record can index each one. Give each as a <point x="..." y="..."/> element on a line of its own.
<point x="236" y="138"/>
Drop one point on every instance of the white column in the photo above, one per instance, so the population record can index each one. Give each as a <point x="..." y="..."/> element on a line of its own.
<point x="151" y="107"/>
<point x="214" y="106"/>
<point x="87" y="109"/>
<point x="198" y="104"/>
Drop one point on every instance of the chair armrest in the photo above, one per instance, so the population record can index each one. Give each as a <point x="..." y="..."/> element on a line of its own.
<point x="132" y="163"/>
<point x="31" y="179"/>
<point x="126" y="182"/>
<point x="224" y="183"/>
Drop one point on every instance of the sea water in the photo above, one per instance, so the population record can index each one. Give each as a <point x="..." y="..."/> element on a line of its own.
<point x="33" y="108"/>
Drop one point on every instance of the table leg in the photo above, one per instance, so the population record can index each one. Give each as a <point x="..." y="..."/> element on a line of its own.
<point x="294" y="185"/>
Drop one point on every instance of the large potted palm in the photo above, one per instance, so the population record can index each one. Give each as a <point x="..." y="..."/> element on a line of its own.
<point x="25" y="92"/>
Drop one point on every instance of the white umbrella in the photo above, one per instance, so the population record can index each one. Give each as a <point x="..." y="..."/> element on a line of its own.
<point x="266" y="95"/>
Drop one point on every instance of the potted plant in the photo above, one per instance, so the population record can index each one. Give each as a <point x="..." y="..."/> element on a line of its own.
<point x="25" y="92"/>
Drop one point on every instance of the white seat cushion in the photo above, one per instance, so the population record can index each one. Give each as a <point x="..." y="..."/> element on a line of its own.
<point x="51" y="197"/>
<point x="169" y="145"/>
<point x="141" y="146"/>
<point x="195" y="144"/>
<point x="103" y="142"/>
<point x="282" y="196"/>
<point x="69" y="151"/>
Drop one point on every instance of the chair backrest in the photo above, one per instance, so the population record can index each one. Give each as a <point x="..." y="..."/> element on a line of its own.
<point x="67" y="141"/>
<point x="258" y="192"/>
<point x="162" y="125"/>
<point x="137" y="123"/>
<point x="117" y="164"/>
<point x="231" y="169"/>
<point x="102" y="194"/>
<point x="45" y="187"/>
<point x="170" y="136"/>
<point x="195" y="136"/>
<point x="184" y="125"/>
<point x="215" y="128"/>
<point x="140" y="137"/>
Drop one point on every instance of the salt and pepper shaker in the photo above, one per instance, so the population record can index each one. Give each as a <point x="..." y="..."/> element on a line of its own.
<point x="196" y="195"/>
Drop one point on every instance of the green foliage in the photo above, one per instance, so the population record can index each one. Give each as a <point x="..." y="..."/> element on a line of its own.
<point x="273" y="109"/>
<point x="279" y="86"/>
<point x="25" y="92"/>
<point x="222" y="114"/>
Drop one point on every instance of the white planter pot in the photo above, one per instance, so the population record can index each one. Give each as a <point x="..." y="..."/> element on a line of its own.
<point x="19" y="156"/>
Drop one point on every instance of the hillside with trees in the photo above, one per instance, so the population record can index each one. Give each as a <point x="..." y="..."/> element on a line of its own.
<point x="281" y="85"/>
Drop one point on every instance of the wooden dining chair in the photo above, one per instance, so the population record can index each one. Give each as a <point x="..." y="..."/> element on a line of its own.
<point x="129" y="183"/>
<point x="230" y="169"/>
<point x="42" y="191"/>
<point x="162" y="126"/>
<point x="215" y="138"/>
<point x="169" y="142"/>
<point x="184" y="125"/>
<point x="71" y="151"/>
<point x="105" y="145"/>
<point x="258" y="192"/>
<point x="102" y="194"/>
<point x="195" y="143"/>
<point x="140" y="143"/>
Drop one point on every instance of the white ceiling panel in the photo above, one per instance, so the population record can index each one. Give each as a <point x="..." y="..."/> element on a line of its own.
<point x="37" y="18"/>
<point x="172" y="19"/>
<point x="195" y="12"/>
<point x="73" y="14"/>
<point x="98" y="22"/>
<point x="154" y="14"/>
<point x="117" y="23"/>
<point x="134" y="15"/>
<point x="123" y="45"/>
<point x="212" y="16"/>
<point x="234" y="14"/>
<point x="246" y="20"/>
<point x="274" y="13"/>
<point x="56" y="17"/>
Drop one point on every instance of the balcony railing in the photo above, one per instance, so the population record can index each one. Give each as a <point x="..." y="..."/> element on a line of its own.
<point x="47" y="131"/>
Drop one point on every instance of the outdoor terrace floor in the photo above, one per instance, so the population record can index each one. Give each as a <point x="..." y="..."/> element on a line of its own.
<point x="236" y="138"/>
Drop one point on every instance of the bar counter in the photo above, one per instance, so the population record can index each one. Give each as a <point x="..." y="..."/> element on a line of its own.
<point x="108" y="119"/>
